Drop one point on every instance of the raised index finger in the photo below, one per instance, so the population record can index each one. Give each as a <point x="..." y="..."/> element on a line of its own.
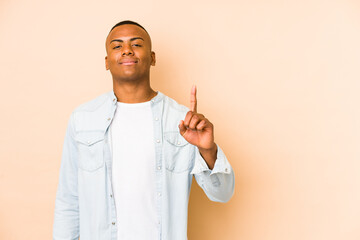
<point x="193" y="101"/>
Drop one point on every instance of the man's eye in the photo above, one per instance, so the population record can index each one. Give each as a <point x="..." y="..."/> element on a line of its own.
<point x="116" y="47"/>
<point x="137" y="45"/>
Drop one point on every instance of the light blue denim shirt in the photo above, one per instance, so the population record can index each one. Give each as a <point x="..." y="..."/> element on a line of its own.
<point x="85" y="205"/>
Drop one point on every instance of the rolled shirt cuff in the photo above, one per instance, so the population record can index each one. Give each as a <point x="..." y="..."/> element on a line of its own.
<point x="222" y="165"/>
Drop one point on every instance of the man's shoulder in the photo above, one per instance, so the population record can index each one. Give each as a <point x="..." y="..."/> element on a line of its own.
<point x="93" y="104"/>
<point x="173" y="105"/>
<point x="89" y="116"/>
<point x="173" y="112"/>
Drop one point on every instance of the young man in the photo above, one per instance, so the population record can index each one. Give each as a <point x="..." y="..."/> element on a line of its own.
<point x="129" y="155"/>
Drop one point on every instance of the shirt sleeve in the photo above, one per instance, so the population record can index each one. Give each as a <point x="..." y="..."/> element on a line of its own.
<point x="66" y="217"/>
<point x="218" y="183"/>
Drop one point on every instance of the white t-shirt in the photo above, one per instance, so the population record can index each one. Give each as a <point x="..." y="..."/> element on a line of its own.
<point x="133" y="171"/>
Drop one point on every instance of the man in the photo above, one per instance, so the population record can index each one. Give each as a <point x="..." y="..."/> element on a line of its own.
<point x="129" y="155"/>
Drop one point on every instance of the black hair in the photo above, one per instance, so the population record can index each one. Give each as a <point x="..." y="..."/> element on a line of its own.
<point x="127" y="22"/>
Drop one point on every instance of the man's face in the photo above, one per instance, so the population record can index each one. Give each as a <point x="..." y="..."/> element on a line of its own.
<point x="129" y="54"/>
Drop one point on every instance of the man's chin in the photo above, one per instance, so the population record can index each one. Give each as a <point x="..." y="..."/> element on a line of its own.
<point x="130" y="78"/>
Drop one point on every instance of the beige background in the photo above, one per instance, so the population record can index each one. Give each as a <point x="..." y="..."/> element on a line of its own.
<point x="279" y="80"/>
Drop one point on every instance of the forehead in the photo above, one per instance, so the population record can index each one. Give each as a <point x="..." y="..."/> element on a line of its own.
<point x="127" y="31"/>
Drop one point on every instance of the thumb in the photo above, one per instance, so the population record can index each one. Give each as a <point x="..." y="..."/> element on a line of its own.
<point x="182" y="128"/>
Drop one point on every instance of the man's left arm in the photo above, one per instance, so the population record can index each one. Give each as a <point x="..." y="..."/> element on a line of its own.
<point x="212" y="170"/>
<point x="218" y="182"/>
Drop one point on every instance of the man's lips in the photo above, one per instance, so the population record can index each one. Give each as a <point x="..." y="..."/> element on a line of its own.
<point x="128" y="62"/>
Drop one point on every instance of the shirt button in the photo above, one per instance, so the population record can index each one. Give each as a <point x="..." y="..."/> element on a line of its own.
<point x="108" y="119"/>
<point x="113" y="223"/>
<point x="157" y="140"/>
<point x="88" y="142"/>
<point x="158" y="168"/>
<point x="178" y="143"/>
<point x="159" y="194"/>
<point x="110" y="195"/>
<point x="156" y="119"/>
<point x="226" y="170"/>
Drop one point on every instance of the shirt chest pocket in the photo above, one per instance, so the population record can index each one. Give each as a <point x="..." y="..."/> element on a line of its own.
<point x="91" y="150"/>
<point x="178" y="153"/>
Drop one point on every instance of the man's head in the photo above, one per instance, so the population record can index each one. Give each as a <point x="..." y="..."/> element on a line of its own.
<point x="129" y="55"/>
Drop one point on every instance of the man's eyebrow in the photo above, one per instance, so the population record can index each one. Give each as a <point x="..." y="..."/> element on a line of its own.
<point x="131" y="39"/>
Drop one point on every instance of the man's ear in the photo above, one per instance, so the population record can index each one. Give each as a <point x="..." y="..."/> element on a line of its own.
<point x="106" y="64"/>
<point x="153" y="58"/>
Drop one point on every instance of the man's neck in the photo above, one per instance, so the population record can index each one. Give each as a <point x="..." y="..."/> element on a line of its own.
<point x="133" y="93"/>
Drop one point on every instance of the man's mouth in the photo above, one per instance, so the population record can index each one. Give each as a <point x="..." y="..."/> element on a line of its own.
<point x="128" y="62"/>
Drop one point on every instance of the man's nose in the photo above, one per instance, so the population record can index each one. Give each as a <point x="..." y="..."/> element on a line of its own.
<point x="127" y="50"/>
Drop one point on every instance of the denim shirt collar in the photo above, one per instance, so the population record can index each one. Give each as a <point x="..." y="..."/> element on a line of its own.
<point x="154" y="100"/>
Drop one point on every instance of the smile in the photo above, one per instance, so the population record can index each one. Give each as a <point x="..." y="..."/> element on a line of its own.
<point x="128" y="62"/>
